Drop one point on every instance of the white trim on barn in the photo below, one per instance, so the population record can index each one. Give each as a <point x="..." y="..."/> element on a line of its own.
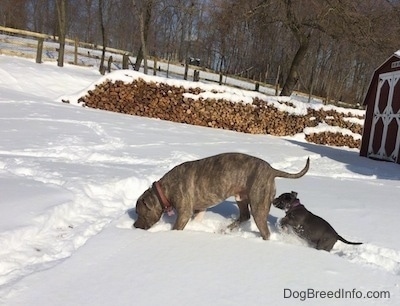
<point x="386" y="117"/>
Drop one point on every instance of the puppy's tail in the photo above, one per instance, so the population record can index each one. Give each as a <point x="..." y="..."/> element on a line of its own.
<point x="279" y="173"/>
<point x="347" y="242"/>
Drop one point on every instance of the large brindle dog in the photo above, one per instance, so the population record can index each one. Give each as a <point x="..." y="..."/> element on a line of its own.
<point x="315" y="230"/>
<point x="196" y="185"/>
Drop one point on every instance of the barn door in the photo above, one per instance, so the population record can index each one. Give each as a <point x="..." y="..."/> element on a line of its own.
<point x="384" y="142"/>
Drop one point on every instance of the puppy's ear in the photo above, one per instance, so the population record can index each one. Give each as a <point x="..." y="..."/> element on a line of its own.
<point x="295" y="194"/>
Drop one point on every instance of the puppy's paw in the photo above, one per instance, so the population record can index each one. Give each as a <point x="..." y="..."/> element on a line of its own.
<point x="233" y="225"/>
<point x="281" y="227"/>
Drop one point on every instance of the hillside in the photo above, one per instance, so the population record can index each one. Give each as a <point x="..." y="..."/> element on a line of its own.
<point x="222" y="107"/>
<point x="70" y="177"/>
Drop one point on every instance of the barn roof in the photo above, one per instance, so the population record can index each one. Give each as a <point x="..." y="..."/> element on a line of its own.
<point x="374" y="75"/>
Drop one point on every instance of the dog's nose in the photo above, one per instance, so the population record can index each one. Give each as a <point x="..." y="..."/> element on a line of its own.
<point x="140" y="225"/>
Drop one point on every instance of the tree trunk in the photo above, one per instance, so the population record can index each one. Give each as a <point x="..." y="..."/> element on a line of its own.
<point x="293" y="75"/>
<point x="139" y="59"/>
<point x="143" y="39"/>
<point x="102" y="68"/>
<point x="304" y="40"/>
<point x="62" y="27"/>
<point x="144" y="19"/>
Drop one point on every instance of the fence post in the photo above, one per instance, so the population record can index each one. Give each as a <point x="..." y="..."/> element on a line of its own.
<point x="185" y="75"/>
<point x="125" y="61"/>
<point x="76" y="51"/>
<point x="39" y="50"/>
<point x="110" y="60"/>
<point x="155" y="66"/>
<point x="196" y="76"/>
<point x="277" y="81"/>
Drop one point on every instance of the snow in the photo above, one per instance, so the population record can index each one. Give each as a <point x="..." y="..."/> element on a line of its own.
<point x="323" y="127"/>
<point x="70" y="177"/>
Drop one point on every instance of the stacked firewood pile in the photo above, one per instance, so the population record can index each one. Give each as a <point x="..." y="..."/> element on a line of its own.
<point x="163" y="101"/>
<point x="333" y="139"/>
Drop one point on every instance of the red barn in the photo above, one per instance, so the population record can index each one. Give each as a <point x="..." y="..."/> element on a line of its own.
<point x="381" y="135"/>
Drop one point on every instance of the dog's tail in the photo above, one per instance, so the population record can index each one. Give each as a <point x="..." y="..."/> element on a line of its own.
<point x="279" y="173"/>
<point x="347" y="242"/>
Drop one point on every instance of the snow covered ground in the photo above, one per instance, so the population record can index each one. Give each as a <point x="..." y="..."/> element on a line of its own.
<point x="70" y="177"/>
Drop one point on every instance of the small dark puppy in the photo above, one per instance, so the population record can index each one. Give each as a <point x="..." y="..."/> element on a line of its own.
<point x="319" y="233"/>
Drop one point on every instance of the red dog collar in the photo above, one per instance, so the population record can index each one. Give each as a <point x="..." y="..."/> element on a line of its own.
<point x="163" y="199"/>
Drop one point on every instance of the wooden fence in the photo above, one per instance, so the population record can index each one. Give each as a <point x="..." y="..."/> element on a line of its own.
<point x="43" y="42"/>
<point x="23" y="43"/>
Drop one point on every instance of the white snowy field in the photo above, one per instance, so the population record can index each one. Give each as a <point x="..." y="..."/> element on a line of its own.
<point x="70" y="177"/>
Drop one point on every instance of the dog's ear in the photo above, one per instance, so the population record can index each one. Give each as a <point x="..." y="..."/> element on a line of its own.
<point x="147" y="205"/>
<point x="145" y="199"/>
<point x="295" y="194"/>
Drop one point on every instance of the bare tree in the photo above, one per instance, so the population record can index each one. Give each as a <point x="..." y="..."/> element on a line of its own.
<point x="88" y="15"/>
<point x="13" y="13"/>
<point x="355" y="25"/>
<point x="144" y="15"/>
<point x="44" y="16"/>
<point x="62" y="26"/>
<point x="326" y="47"/>
<point x="103" y="37"/>
<point x="302" y="34"/>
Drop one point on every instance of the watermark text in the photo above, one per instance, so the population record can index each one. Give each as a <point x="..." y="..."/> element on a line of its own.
<point x="354" y="293"/>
